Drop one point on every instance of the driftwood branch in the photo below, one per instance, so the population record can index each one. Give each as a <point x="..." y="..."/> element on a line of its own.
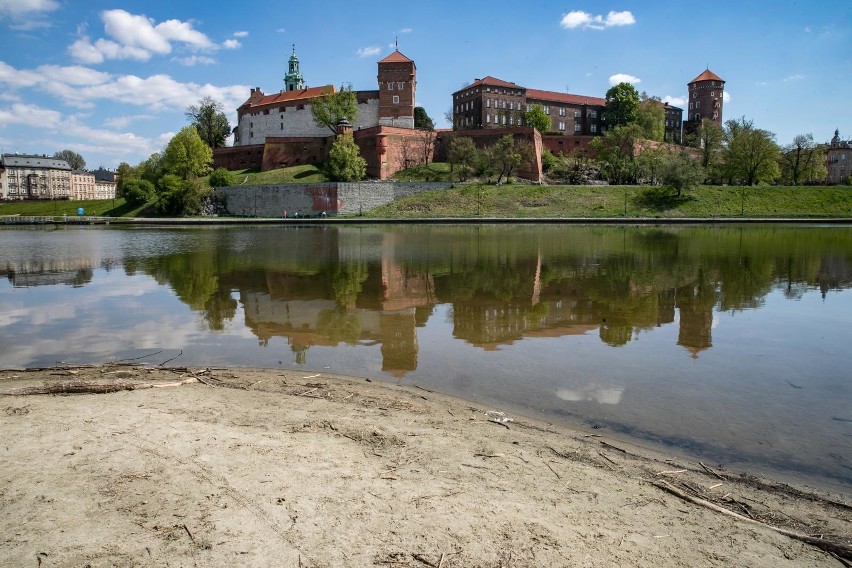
<point x="836" y="548"/>
<point x="82" y="387"/>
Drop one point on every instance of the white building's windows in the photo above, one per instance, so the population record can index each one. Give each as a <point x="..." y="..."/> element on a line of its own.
<point x="562" y="113"/>
<point x="396" y="99"/>
<point x="504" y="120"/>
<point x="487" y="103"/>
<point x="546" y="109"/>
<point x="512" y="105"/>
<point x="504" y="104"/>
<point x="577" y="113"/>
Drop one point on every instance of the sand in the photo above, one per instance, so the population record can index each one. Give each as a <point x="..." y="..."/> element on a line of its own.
<point x="245" y="467"/>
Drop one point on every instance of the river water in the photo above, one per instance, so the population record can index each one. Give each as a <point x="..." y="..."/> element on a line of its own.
<point x="730" y="344"/>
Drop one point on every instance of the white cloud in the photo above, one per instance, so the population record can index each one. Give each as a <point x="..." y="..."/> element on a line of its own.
<point x="241" y="34"/>
<point x="807" y="29"/>
<point x="675" y="101"/>
<point x="17" y="8"/>
<point x="194" y="60"/>
<point x="231" y="44"/>
<point x="83" y="87"/>
<point x="795" y="77"/>
<point x="32" y="115"/>
<point x="583" y="20"/>
<point x="281" y="31"/>
<point x="726" y="96"/>
<point x="123" y="121"/>
<point x="405" y="31"/>
<point x="623" y="78"/>
<point x="136" y="37"/>
<point x="369" y="51"/>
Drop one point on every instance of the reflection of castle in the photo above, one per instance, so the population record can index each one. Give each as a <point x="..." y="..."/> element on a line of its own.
<point x="72" y="272"/>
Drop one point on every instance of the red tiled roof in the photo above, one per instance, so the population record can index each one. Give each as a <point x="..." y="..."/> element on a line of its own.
<point x="492" y="82"/>
<point x="568" y="98"/>
<point x="707" y="76"/>
<point x="290" y="96"/>
<point x="396" y="57"/>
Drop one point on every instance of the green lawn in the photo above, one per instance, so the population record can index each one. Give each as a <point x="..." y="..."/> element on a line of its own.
<point x="94" y="207"/>
<point x="522" y="201"/>
<point x="311" y="173"/>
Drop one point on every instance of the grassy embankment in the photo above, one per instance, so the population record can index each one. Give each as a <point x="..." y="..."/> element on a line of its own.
<point x="526" y="201"/>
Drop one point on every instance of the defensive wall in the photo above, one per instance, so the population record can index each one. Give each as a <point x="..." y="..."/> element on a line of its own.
<point x="314" y="199"/>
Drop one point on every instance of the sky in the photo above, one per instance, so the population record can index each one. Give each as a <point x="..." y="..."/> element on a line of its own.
<point x="112" y="80"/>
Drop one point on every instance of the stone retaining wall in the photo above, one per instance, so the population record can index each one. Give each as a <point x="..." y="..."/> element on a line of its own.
<point x="313" y="199"/>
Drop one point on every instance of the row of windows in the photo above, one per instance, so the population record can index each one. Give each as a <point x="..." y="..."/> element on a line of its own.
<point x="399" y="85"/>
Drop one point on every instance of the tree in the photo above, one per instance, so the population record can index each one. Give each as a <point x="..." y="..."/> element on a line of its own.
<point x="344" y="161"/>
<point x="802" y="161"/>
<point x="622" y="103"/>
<point x="751" y="154"/>
<point x="462" y="154"/>
<point x="74" y="159"/>
<point x="187" y="155"/>
<point x="422" y="120"/>
<point x="537" y="118"/>
<point x="507" y="154"/>
<point x="651" y="117"/>
<point x="209" y="120"/>
<point x="181" y="196"/>
<point x="616" y="151"/>
<point x="150" y="169"/>
<point x="709" y="138"/>
<point x="330" y="109"/>
<point x="681" y="172"/>
<point x="139" y="191"/>
<point x="123" y="173"/>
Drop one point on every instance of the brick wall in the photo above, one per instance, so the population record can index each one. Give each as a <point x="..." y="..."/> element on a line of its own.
<point x="485" y="138"/>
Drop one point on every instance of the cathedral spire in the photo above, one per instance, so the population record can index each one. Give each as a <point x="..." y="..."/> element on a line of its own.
<point x="293" y="81"/>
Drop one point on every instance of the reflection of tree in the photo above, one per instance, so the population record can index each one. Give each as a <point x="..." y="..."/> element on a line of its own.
<point x="220" y="307"/>
<point x="346" y="280"/>
<point x="340" y="326"/>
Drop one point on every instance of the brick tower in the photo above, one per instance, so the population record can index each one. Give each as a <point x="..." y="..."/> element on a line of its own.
<point x="705" y="100"/>
<point x="397" y="83"/>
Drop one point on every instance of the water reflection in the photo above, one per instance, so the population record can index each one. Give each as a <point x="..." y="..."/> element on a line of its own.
<point x="684" y="335"/>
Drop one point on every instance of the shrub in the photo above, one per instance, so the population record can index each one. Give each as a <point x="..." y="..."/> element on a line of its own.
<point x="138" y="191"/>
<point x="222" y="178"/>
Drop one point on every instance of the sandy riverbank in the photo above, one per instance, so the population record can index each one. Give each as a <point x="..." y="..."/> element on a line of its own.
<point x="245" y="467"/>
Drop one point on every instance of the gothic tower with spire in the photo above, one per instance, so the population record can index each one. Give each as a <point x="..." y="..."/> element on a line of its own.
<point x="293" y="81"/>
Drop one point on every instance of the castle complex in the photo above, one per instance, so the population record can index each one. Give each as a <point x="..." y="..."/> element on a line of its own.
<point x="287" y="113"/>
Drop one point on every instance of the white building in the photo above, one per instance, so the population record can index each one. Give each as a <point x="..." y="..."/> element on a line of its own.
<point x="34" y="177"/>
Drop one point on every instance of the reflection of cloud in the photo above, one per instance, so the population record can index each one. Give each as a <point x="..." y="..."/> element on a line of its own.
<point x="593" y="393"/>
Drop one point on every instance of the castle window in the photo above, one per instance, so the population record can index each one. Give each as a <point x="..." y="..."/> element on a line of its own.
<point x="697" y="104"/>
<point x="390" y="86"/>
<point x="712" y="93"/>
<point x="594" y="128"/>
<point x="577" y="113"/>
<point x="396" y="99"/>
<point x="399" y="86"/>
<point x="488" y="118"/>
<point x="561" y="126"/>
<point x="504" y="120"/>
<point x="562" y="113"/>
<point x="512" y="120"/>
<point x="577" y="127"/>
<point x="487" y="103"/>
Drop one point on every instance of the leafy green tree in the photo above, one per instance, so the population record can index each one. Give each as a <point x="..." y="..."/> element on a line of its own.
<point x="462" y="154"/>
<point x="422" y="120"/>
<point x="651" y="117"/>
<point x="681" y="172"/>
<point x="222" y="178"/>
<point x="187" y="155"/>
<point x="331" y="109"/>
<point x="123" y="174"/>
<point x="802" y="161"/>
<point x="181" y="196"/>
<point x="622" y="104"/>
<point x="344" y="160"/>
<point x="548" y="160"/>
<point x="74" y="159"/>
<point x="507" y="155"/>
<point x="710" y="137"/>
<point x="537" y="118"/>
<point x="209" y="120"/>
<point x="751" y="154"/>
<point x="151" y="169"/>
<point x="139" y="191"/>
<point x="616" y="151"/>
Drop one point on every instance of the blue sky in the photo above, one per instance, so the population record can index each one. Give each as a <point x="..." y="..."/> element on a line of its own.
<point x="112" y="79"/>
